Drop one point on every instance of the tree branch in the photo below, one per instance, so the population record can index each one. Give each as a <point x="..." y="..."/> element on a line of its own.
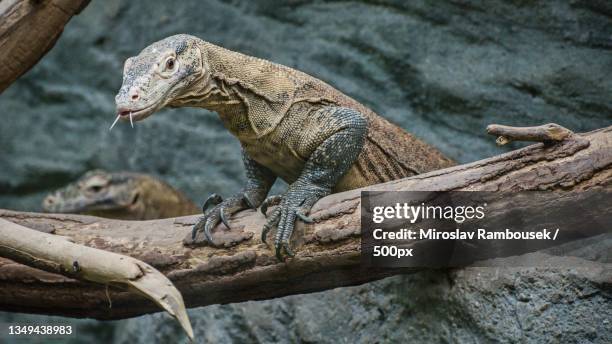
<point x="328" y="251"/>
<point x="28" y="30"/>
<point x="60" y="255"/>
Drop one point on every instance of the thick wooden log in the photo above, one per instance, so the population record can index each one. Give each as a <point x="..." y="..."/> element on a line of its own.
<point x="327" y="251"/>
<point x="28" y="30"/>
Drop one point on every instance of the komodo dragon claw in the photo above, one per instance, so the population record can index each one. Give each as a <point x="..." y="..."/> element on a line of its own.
<point x="287" y="249"/>
<point x="298" y="200"/>
<point x="213" y="200"/>
<point x="270" y="201"/>
<point x="249" y="202"/>
<point x="306" y="219"/>
<point x="224" y="218"/>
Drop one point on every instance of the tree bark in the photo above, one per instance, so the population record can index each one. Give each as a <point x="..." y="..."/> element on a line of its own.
<point x="327" y="251"/>
<point x="28" y="30"/>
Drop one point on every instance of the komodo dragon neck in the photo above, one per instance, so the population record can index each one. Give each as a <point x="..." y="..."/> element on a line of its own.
<point x="251" y="95"/>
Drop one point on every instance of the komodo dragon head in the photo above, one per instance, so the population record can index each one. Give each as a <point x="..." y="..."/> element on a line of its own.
<point x="122" y="195"/>
<point x="160" y="73"/>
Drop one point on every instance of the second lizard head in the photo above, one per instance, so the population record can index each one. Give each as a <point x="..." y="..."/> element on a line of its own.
<point x="119" y="195"/>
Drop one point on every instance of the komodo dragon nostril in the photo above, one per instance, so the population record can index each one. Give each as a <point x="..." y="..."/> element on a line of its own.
<point x="134" y="93"/>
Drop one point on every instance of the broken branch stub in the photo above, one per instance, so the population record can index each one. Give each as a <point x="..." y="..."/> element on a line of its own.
<point x="547" y="133"/>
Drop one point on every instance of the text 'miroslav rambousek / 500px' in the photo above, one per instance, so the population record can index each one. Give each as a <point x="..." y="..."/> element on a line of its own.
<point x="459" y="228"/>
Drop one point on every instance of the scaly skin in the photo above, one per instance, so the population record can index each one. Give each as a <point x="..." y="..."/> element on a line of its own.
<point x="121" y="195"/>
<point x="290" y="125"/>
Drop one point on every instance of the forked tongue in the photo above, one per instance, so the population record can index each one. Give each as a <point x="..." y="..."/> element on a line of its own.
<point x="117" y="120"/>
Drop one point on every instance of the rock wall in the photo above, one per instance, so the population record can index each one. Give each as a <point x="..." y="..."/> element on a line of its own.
<point x="441" y="69"/>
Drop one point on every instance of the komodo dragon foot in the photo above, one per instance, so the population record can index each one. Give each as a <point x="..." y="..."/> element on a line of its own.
<point x="259" y="182"/>
<point x="294" y="204"/>
<point x="218" y="213"/>
<point x="222" y="210"/>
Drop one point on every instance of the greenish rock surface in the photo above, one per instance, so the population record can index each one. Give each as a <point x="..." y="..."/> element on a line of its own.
<point x="442" y="70"/>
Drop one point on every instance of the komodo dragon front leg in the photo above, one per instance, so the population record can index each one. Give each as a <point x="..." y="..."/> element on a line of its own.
<point x="335" y="150"/>
<point x="331" y="159"/>
<point x="259" y="182"/>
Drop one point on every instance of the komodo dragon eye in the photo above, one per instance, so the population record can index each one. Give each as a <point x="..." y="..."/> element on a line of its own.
<point x="169" y="66"/>
<point x="94" y="184"/>
<point x="95" y="188"/>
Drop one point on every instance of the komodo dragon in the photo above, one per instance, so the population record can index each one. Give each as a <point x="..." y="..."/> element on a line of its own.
<point x="290" y="125"/>
<point x="120" y="195"/>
